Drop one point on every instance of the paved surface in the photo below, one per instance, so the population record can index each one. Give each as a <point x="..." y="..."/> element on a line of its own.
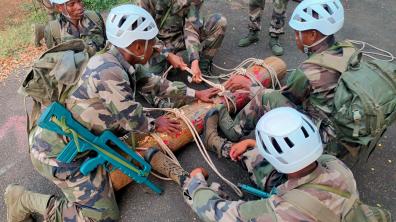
<point x="371" y="21"/>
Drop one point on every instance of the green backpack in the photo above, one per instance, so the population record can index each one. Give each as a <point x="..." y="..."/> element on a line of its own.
<point x="53" y="76"/>
<point x="365" y="98"/>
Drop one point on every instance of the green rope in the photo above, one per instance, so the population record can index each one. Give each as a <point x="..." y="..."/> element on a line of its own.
<point x="65" y="128"/>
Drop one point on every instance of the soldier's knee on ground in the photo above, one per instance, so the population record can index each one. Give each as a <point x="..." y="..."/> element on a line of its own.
<point x="228" y="126"/>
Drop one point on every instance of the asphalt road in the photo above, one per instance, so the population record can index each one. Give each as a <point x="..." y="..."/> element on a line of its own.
<point x="370" y="21"/>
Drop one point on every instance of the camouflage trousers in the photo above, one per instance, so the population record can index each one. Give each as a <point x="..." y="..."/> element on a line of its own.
<point x="211" y="37"/>
<point x="86" y="198"/>
<point x="244" y="123"/>
<point x="278" y="17"/>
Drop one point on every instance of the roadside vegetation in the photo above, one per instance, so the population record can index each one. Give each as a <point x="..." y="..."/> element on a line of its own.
<point x="16" y="34"/>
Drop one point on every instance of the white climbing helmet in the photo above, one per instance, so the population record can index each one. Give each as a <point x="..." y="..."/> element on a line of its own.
<point x="326" y="16"/>
<point x="59" y="1"/>
<point x="288" y="140"/>
<point x="128" y="23"/>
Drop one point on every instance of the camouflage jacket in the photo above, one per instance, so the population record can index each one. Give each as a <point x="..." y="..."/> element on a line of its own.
<point x="91" y="28"/>
<point x="210" y="206"/>
<point x="104" y="99"/>
<point x="179" y="30"/>
<point x="314" y="86"/>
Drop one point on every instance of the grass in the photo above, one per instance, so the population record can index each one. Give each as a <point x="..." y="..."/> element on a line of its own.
<point x="18" y="34"/>
<point x="102" y="5"/>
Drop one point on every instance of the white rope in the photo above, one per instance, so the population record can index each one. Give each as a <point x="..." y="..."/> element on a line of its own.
<point x="201" y="147"/>
<point x="241" y="70"/>
<point x="389" y="57"/>
<point x="165" y="75"/>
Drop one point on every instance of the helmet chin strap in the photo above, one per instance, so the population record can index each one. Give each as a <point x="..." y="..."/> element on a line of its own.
<point x="308" y="47"/>
<point x="141" y="57"/>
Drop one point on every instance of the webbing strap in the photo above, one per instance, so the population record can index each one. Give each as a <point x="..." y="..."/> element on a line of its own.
<point x="310" y="205"/>
<point x="339" y="192"/>
<point x="356" y="118"/>
<point x="55" y="31"/>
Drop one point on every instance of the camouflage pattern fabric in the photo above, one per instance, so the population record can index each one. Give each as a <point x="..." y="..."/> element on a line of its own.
<point x="104" y="99"/>
<point x="245" y="121"/>
<point x="310" y="88"/>
<point x="185" y="29"/>
<point x="210" y="206"/>
<point x="88" y="30"/>
<point x="86" y="198"/>
<point x="278" y="17"/>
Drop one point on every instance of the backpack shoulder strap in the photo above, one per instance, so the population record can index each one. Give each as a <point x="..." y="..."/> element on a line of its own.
<point x="95" y="17"/>
<point x="55" y="29"/>
<point x="338" y="63"/>
<point x="351" y="198"/>
<point x="310" y="205"/>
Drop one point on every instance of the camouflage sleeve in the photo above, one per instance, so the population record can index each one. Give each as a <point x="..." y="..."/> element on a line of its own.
<point x="157" y="86"/>
<point x="297" y="87"/>
<point x="96" y="36"/>
<point x="209" y="206"/>
<point x="193" y="24"/>
<point x="160" y="47"/>
<point x="113" y="88"/>
<point x="149" y="6"/>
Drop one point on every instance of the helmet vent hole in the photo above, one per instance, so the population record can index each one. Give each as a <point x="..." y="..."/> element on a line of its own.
<point x="306" y="135"/>
<point x="289" y="142"/>
<point x="121" y="22"/>
<point x="331" y="20"/>
<point x="262" y="142"/>
<point x="276" y="145"/>
<point x="309" y="124"/>
<point x="114" y="17"/>
<point x="328" y="9"/>
<point x="134" y="25"/>
<point x="336" y="5"/>
<point x="281" y="160"/>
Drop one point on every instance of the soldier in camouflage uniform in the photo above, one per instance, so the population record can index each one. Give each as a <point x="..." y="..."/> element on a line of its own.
<point x="298" y="180"/>
<point x="183" y="31"/>
<point x="104" y="99"/>
<point x="311" y="87"/>
<point x="75" y="22"/>
<point x="256" y="8"/>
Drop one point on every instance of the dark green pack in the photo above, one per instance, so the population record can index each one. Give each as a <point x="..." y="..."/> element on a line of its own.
<point x="365" y="98"/>
<point x="53" y="76"/>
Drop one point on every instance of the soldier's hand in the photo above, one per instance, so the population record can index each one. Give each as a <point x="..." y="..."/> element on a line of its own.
<point x="206" y="95"/>
<point x="164" y="124"/>
<point x="238" y="82"/>
<point x="200" y="170"/>
<point x="176" y="61"/>
<point x="196" y="72"/>
<point x="238" y="149"/>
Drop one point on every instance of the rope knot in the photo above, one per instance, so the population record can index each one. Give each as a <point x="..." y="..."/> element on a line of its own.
<point x="259" y="62"/>
<point x="241" y="71"/>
